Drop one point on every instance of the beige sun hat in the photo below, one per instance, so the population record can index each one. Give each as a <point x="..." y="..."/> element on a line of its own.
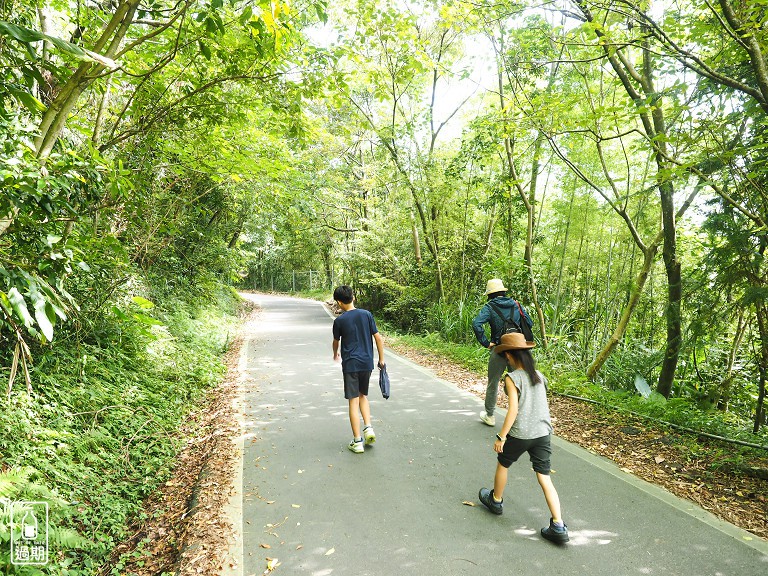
<point x="494" y="285"/>
<point x="512" y="341"/>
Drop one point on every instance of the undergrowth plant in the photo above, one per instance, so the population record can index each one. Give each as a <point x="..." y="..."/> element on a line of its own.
<point x="99" y="432"/>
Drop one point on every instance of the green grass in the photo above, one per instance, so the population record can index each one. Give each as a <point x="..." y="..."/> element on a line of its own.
<point x="473" y="358"/>
<point x="320" y="294"/>
<point x="100" y="432"/>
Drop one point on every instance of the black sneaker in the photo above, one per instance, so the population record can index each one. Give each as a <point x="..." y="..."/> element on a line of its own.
<point x="556" y="534"/>
<point x="486" y="497"/>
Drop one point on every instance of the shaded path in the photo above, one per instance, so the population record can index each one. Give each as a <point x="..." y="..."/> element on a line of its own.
<point x="397" y="509"/>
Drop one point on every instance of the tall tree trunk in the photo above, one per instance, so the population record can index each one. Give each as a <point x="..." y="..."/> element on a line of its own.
<point x="669" y="226"/>
<point x="42" y="16"/>
<point x="673" y="313"/>
<point x="649" y="254"/>
<point x="488" y="239"/>
<point x="530" y="206"/>
<point x="416" y="243"/>
<point x="558" y="292"/>
<point x="724" y="394"/>
<point x="238" y="230"/>
<point x="762" y="323"/>
<point x="99" y="124"/>
<point x="56" y="115"/>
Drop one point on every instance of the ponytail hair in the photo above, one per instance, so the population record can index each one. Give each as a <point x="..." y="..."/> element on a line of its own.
<point x="524" y="359"/>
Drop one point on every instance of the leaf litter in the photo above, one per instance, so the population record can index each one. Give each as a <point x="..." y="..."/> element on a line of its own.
<point x="176" y="537"/>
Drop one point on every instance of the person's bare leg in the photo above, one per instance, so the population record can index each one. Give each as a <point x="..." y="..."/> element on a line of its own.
<point x="354" y="416"/>
<point x="365" y="410"/>
<point x="500" y="482"/>
<point x="550" y="495"/>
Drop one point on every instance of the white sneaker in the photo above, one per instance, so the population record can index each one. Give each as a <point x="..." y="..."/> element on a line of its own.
<point x="369" y="435"/>
<point x="356" y="446"/>
<point x="490" y="420"/>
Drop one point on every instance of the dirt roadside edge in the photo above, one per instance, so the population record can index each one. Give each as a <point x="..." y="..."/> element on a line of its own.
<point x="191" y="524"/>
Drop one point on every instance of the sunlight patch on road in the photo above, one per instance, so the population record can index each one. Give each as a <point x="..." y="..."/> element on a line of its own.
<point x="585" y="537"/>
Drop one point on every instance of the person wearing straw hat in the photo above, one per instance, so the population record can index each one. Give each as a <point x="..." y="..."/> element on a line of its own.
<point x="498" y="304"/>
<point x="527" y="428"/>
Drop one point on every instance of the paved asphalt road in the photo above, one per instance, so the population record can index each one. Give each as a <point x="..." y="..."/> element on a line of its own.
<point x="399" y="507"/>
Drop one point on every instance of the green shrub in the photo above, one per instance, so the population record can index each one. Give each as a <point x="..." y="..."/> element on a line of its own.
<point x="99" y="432"/>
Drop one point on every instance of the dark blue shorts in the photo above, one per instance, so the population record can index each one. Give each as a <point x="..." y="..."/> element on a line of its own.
<point x="539" y="450"/>
<point x="356" y="384"/>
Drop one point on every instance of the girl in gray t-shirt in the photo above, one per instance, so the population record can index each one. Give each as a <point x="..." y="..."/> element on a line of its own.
<point x="526" y="428"/>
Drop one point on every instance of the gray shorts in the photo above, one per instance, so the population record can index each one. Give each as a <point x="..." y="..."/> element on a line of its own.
<point x="539" y="450"/>
<point x="356" y="384"/>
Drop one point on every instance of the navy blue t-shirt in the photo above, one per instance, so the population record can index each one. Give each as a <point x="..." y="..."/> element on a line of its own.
<point x="355" y="328"/>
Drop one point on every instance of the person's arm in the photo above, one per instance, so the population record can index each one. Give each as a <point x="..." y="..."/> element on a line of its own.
<point x="482" y="318"/>
<point x="336" y="331"/>
<point x="380" y="348"/>
<point x="509" y="420"/>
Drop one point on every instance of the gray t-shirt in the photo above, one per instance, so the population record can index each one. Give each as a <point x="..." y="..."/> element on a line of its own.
<point x="533" y="420"/>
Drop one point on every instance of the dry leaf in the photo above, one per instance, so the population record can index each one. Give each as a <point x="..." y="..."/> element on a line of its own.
<point x="468" y="503"/>
<point x="299" y="547"/>
<point x="331" y="551"/>
<point x="295" y="506"/>
<point x="659" y="459"/>
<point x="265" y="545"/>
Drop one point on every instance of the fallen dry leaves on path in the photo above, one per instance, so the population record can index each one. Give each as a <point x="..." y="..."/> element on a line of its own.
<point x="186" y="532"/>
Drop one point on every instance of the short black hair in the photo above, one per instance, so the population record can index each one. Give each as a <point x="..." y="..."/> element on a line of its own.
<point x="343" y="294"/>
<point x="495" y="294"/>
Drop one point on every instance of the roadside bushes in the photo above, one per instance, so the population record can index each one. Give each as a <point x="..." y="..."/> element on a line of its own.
<point x="98" y="433"/>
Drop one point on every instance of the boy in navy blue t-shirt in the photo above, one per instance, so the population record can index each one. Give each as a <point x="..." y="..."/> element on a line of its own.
<point x="352" y="332"/>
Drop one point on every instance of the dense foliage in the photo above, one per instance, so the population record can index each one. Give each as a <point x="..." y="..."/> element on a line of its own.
<point x="610" y="168"/>
<point x="98" y="434"/>
<point x="118" y="229"/>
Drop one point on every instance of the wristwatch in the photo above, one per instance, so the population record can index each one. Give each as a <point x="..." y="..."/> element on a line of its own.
<point x="498" y="437"/>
